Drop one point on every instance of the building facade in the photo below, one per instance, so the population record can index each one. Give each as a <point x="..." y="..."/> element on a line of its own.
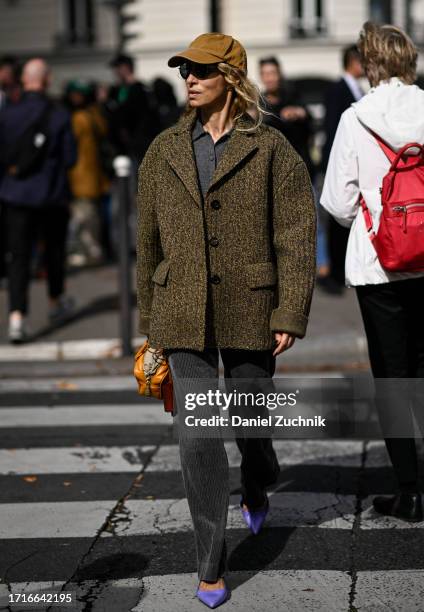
<point x="78" y="37"/>
<point x="306" y="35"/>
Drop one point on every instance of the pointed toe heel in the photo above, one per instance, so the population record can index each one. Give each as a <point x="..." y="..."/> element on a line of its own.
<point x="213" y="598"/>
<point x="255" y="519"/>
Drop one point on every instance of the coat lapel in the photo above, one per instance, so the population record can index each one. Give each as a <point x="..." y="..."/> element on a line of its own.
<point x="180" y="154"/>
<point x="239" y="146"/>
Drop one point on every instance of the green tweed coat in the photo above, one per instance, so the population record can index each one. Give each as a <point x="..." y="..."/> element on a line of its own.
<point x="254" y="256"/>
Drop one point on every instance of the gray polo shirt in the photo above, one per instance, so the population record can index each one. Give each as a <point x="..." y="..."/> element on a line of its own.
<point x="207" y="153"/>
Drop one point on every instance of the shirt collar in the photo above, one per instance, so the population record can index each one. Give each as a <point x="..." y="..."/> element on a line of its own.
<point x="353" y="85"/>
<point x="199" y="131"/>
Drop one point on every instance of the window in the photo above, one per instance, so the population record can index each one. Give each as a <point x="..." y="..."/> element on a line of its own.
<point x="308" y="19"/>
<point x="78" y="22"/>
<point x="415" y="21"/>
<point x="214" y="12"/>
<point x="381" y="11"/>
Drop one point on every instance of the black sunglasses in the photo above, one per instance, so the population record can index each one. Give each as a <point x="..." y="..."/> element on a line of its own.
<point x="200" y="71"/>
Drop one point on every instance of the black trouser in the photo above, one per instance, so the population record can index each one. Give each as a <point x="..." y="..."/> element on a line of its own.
<point x="2" y="240"/>
<point x="204" y="461"/>
<point x="24" y="225"/>
<point x="394" y="326"/>
<point x="337" y="244"/>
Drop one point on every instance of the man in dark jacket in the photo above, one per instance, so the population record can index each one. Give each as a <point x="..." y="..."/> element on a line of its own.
<point x="339" y="97"/>
<point x="135" y="121"/>
<point x="39" y="200"/>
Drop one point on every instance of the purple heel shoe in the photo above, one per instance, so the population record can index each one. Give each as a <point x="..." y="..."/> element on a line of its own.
<point x="254" y="519"/>
<point x="213" y="598"/>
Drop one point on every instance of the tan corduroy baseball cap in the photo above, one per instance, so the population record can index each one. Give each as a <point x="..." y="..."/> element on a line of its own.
<point x="211" y="48"/>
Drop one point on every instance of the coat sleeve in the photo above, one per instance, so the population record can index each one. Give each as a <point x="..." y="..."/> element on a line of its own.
<point x="294" y="240"/>
<point x="340" y="193"/>
<point x="148" y="245"/>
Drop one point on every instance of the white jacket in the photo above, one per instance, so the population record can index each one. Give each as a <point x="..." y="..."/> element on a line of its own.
<point x="357" y="164"/>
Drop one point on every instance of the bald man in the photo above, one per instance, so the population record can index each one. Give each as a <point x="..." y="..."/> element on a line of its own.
<point x="36" y="75"/>
<point x="36" y="204"/>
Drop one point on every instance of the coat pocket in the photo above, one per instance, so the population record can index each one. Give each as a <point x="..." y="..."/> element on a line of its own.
<point x="161" y="272"/>
<point x="261" y="274"/>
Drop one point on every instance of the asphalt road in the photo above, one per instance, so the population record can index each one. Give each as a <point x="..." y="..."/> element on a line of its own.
<point x="92" y="503"/>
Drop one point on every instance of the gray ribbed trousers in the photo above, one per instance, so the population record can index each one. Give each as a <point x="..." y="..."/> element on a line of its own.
<point x="204" y="461"/>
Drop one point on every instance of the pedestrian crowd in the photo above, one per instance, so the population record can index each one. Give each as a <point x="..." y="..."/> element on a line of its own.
<point x="57" y="205"/>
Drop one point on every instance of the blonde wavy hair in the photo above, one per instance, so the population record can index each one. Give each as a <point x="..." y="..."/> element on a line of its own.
<point x="387" y="51"/>
<point x="247" y="97"/>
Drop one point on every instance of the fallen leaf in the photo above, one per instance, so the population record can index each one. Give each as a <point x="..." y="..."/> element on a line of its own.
<point x="64" y="384"/>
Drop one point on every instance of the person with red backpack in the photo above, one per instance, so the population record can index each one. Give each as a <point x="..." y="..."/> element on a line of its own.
<point x="374" y="184"/>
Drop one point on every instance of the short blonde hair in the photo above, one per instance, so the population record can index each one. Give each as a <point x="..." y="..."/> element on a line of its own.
<point x="387" y="51"/>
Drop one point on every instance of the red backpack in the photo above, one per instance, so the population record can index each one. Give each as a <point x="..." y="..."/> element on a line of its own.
<point x="399" y="240"/>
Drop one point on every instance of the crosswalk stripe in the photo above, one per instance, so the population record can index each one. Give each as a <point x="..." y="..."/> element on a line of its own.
<point x="318" y="590"/>
<point x="68" y="384"/>
<point x="289" y="452"/>
<point x="53" y="520"/>
<point x="74" y="460"/>
<point x="121" y="383"/>
<point x="131" y="458"/>
<point x="270" y="590"/>
<point x="288" y="509"/>
<point x="146" y="517"/>
<point x="145" y="414"/>
<point x="149" y="517"/>
<point x="326" y="591"/>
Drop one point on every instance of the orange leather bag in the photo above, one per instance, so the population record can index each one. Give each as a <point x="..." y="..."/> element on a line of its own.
<point x="153" y="375"/>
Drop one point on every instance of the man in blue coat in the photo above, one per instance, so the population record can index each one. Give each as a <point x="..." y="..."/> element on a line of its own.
<point x="36" y="203"/>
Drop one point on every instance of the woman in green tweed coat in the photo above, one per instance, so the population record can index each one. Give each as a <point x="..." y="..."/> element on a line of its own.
<point x="225" y="262"/>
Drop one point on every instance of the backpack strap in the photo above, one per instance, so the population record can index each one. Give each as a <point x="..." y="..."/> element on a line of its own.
<point x="367" y="217"/>
<point x="390" y="154"/>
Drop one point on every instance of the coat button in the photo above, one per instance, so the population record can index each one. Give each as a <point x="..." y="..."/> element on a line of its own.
<point x="214" y="241"/>
<point x="215" y="279"/>
<point x="215" y="204"/>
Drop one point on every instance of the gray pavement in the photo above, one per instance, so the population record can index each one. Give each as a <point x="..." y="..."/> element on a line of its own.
<point x="335" y="335"/>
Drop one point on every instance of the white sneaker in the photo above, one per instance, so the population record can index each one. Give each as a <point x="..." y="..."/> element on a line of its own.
<point x="77" y="260"/>
<point x="17" y="330"/>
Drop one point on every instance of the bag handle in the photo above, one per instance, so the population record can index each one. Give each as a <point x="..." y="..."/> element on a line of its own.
<point x="419" y="157"/>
